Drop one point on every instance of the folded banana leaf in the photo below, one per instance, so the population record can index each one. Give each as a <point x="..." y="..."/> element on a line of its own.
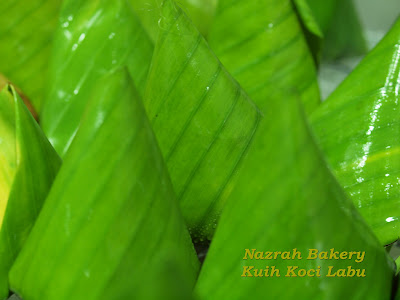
<point x="340" y="25"/>
<point x="149" y="14"/>
<point x="287" y="200"/>
<point x="262" y="45"/>
<point x="202" y="119"/>
<point x="93" y="37"/>
<point x="111" y="226"/>
<point x="4" y="81"/>
<point x="323" y="12"/>
<point x="26" y="33"/>
<point x="308" y="18"/>
<point x="28" y="167"/>
<point x="311" y="28"/>
<point x="345" y="36"/>
<point x="201" y="12"/>
<point x="358" y="130"/>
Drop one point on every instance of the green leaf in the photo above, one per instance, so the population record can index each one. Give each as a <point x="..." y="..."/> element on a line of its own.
<point x="307" y="16"/>
<point x="323" y="12"/>
<point x="262" y="46"/>
<point x="357" y="128"/>
<point x="149" y="13"/>
<point x="340" y="24"/>
<point x="201" y="12"/>
<point x="202" y="119"/>
<point x="93" y="37"/>
<point x="111" y="226"/>
<point x="26" y="33"/>
<point x="345" y="36"/>
<point x="311" y="28"/>
<point x="29" y="165"/>
<point x="286" y="199"/>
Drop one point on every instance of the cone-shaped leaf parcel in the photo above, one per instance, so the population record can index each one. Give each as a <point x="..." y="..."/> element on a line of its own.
<point x="26" y="34"/>
<point x="93" y="37"/>
<point x="28" y="167"/>
<point x="286" y="199"/>
<point x="359" y="131"/>
<point x="111" y="226"/>
<point x="202" y="119"/>
<point x="261" y="44"/>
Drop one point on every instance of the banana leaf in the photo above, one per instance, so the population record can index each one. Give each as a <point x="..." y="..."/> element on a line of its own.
<point x="323" y="12"/>
<point x="341" y="27"/>
<point x="203" y="120"/>
<point x="28" y="167"/>
<point x="308" y="18"/>
<point x="4" y="81"/>
<point x="201" y="12"/>
<point x="311" y="28"/>
<point x="345" y="36"/>
<point x="287" y="200"/>
<point x="262" y="45"/>
<point x="111" y="226"/>
<point x="93" y="37"/>
<point x="358" y="130"/>
<point x="26" y="33"/>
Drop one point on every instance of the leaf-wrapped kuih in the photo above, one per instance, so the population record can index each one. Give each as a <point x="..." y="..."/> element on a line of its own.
<point x="358" y="130"/>
<point x="26" y="32"/>
<point x="261" y="44"/>
<point x="111" y="226"/>
<point x="28" y="167"/>
<point x="93" y="37"/>
<point x="202" y="119"/>
<point x="287" y="200"/>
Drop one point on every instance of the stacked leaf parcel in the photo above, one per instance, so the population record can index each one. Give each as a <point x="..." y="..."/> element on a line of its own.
<point x="163" y="125"/>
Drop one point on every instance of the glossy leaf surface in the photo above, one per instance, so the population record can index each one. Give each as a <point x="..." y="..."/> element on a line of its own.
<point x="26" y="33"/>
<point x="262" y="45"/>
<point x="28" y="167"/>
<point x="358" y="130"/>
<point x="202" y="119"/>
<point x="111" y="226"/>
<point x="285" y="199"/>
<point x="93" y="37"/>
